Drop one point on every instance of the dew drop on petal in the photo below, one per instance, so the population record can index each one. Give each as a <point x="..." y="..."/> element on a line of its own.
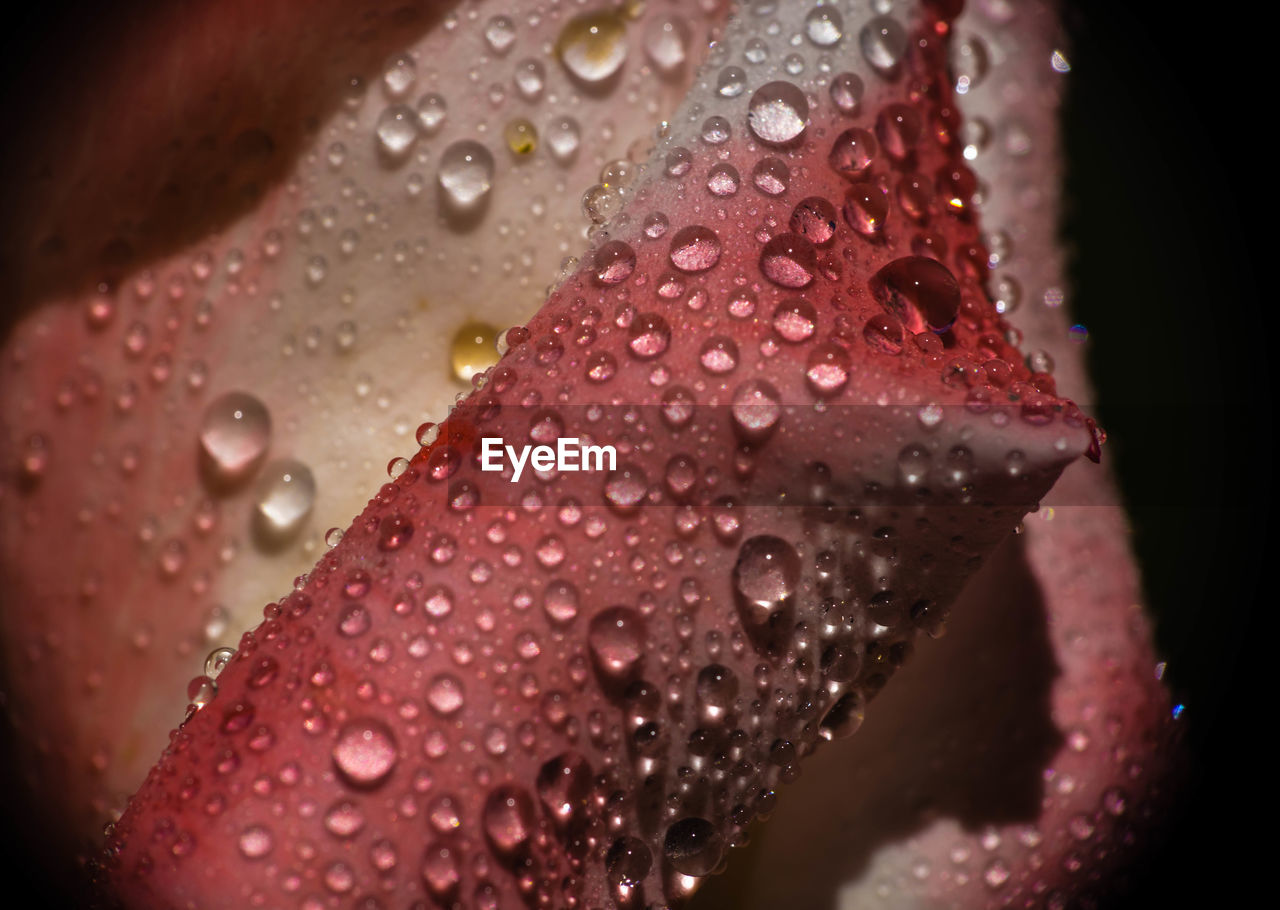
<point x="466" y="175"/>
<point x="234" y="434"/>
<point x="922" y="293"/>
<point x="789" y="260"/>
<point x="365" y="752"/>
<point x="765" y="576"/>
<point x="778" y="114"/>
<point x="616" y="640"/>
<point x="593" y="46"/>
<point x="282" y="500"/>
<point x="884" y="42"/>
<point x="693" y="846"/>
<point x="695" y="249"/>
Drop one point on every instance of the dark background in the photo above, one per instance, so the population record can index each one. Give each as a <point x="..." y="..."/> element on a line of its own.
<point x="1168" y="180"/>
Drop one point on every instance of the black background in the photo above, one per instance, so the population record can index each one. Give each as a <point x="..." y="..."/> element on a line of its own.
<point x="1169" y="179"/>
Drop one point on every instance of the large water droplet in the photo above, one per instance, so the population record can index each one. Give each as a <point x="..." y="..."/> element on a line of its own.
<point x="365" y="752"/>
<point x="765" y="576"/>
<point x="234" y="434"/>
<point x="466" y="175"/>
<point x="920" y="292"/>
<point x="593" y="46"/>
<point x="616" y="639"/>
<point x="778" y="113"/>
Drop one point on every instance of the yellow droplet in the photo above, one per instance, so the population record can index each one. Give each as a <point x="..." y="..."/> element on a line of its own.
<point x="521" y="136"/>
<point x="593" y="46"/>
<point x="474" y="350"/>
<point x="633" y="9"/>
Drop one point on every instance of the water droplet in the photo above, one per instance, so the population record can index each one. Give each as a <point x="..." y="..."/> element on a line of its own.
<point x="771" y="176"/>
<point x="718" y="355"/>
<point x="500" y="33"/>
<point x="508" y="819"/>
<point x="397" y="131"/>
<point x="765" y="577"/>
<point x="563" y="785"/>
<point x="814" y="218"/>
<point x="666" y="41"/>
<point x="217" y="661"/>
<point x="846" y="93"/>
<point x="824" y="26"/>
<point x="852" y="153"/>
<point x="344" y="819"/>
<point x="648" y="336"/>
<point x="282" y="499"/>
<point x="827" y="370"/>
<point x="795" y="320"/>
<point x="234" y="434"/>
<point x="789" y="260"/>
<point x="521" y="136"/>
<point x="865" y="208"/>
<point x="440" y="871"/>
<point x="432" y="111"/>
<point x="255" y="842"/>
<point x="628" y="862"/>
<point x="466" y="175"/>
<point x="778" y="114"/>
<point x="695" y="249"/>
<point x="365" y="752"/>
<point x="616" y="640"/>
<point x="693" y="846"/>
<point x="560" y="601"/>
<point x="474" y="350"/>
<point x="723" y="180"/>
<point x="731" y="81"/>
<point x="563" y="136"/>
<point x="883" y="41"/>
<point x="843" y="718"/>
<point x="898" y="128"/>
<point x="445" y="694"/>
<point x="920" y="292"/>
<point x="593" y="46"/>
<point x="399" y="75"/>
<point x="614" y="262"/>
<point x="883" y="332"/>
